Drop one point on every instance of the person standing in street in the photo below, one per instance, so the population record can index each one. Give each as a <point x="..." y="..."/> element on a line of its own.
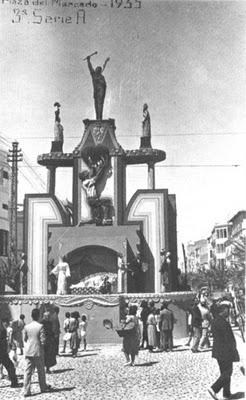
<point x="144" y="316"/>
<point x="18" y="333"/>
<point x="224" y="351"/>
<point x="67" y="334"/>
<point x="34" y="338"/>
<point x="50" y="343"/>
<point x="4" y="356"/>
<point x="166" y="327"/>
<point x="196" y="325"/>
<point x="56" y="328"/>
<point x="131" y="340"/>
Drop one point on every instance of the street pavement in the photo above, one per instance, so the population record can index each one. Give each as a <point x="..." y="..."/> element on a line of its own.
<point x="100" y="374"/>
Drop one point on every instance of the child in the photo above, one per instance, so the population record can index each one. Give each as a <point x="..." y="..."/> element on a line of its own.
<point x="83" y="327"/>
<point x="67" y="335"/>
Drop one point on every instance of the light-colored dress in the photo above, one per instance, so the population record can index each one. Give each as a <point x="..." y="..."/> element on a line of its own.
<point x="82" y="329"/>
<point x="151" y="330"/>
<point x="62" y="271"/>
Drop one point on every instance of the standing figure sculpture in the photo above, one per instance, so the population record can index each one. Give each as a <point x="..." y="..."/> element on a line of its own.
<point x="165" y="270"/>
<point x="23" y="269"/>
<point x="58" y="128"/>
<point x="146" y="122"/>
<point x="146" y="128"/>
<point x="99" y="85"/>
<point x="62" y="271"/>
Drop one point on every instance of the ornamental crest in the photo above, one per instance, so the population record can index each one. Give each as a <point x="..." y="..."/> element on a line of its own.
<point x="98" y="134"/>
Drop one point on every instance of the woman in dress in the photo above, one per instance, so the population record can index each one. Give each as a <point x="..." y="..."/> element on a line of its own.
<point x="83" y="331"/>
<point x="132" y="340"/>
<point x="151" y="329"/>
<point x="74" y="330"/>
<point x="49" y="347"/>
<point x="62" y="272"/>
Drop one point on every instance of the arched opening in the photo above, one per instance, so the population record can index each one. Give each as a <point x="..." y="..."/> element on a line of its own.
<point x="92" y="261"/>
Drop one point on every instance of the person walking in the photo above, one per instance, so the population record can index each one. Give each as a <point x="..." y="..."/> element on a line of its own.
<point x="67" y="334"/>
<point x="73" y="329"/>
<point x="18" y="333"/>
<point x="206" y="321"/>
<point x="196" y="325"/>
<point x="4" y="356"/>
<point x="190" y="327"/>
<point x="166" y="327"/>
<point x="224" y="351"/>
<point x="34" y="339"/>
<point x="131" y="340"/>
<point x="144" y="316"/>
<point x="50" y="343"/>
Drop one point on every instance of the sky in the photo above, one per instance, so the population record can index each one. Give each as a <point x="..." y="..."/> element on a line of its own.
<point x="186" y="60"/>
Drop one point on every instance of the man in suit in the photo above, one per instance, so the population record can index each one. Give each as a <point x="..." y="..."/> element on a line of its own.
<point x="224" y="351"/>
<point x="4" y="356"/>
<point x="34" y="338"/>
<point x="166" y="327"/>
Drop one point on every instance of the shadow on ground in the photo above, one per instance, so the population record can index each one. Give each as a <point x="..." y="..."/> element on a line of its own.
<point x="239" y="395"/>
<point x="56" y="390"/>
<point x="80" y="355"/>
<point x="147" y="364"/>
<point x="59" y="371"/>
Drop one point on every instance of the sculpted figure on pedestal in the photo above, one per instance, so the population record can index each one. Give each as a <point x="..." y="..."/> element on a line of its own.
<point x="99" y="85"/>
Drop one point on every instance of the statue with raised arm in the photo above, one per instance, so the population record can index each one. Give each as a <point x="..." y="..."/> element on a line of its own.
<point x="99" y="85"/>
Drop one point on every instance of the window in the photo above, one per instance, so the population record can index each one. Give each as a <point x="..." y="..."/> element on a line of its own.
<point x="3" y="242"/>
<point x="221" y="233"/>
<point x="5" y="206"/>
<point x="220" y="248"/>
<point x="5" y="175"/>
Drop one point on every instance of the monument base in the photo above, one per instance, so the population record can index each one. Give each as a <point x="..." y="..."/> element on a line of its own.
<point x="56" y="147"/>
<point x="145" y="142"/>
<point x="97" y="308"/>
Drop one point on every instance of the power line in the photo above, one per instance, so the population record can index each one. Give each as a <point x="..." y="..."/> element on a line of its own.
<point x="159" y="166"/>
<point x="138" y="135"/>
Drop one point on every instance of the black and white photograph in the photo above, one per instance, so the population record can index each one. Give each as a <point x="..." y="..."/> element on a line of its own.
<point x="122" y="199"/>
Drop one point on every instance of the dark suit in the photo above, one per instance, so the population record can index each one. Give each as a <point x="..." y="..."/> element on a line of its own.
<point x="4" y="357"/>
<point x="166" y="328"/>
<point x="225" y="351"/>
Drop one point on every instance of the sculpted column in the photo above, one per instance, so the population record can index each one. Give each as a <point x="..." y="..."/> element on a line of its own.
<point x="151" y="176"/>
<point x="51" y="179"/>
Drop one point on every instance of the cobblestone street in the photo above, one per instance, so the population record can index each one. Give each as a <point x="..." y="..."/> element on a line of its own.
<point x="100" y="373"/>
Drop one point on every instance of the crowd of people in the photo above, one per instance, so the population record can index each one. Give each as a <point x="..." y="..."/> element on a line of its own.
<point x="145" y="326"/>
<point x="41" y="339"/>
<point x="149" y="328"/>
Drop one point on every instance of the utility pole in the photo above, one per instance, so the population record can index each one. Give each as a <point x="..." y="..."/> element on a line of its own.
<point x="185" y="263"/>
<point x="14" y="156"/>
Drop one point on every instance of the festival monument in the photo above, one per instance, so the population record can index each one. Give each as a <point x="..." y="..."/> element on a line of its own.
<point x="100" y="251"/>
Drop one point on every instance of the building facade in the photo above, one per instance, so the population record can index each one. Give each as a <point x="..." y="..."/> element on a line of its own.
<point x="4" y="202"/>
<point x="197" y="255"/>
<point x="217" y="245"/>
<point x="236" y="245"/>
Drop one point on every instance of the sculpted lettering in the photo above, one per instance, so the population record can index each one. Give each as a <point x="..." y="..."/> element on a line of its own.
<point x="37" y="18"/>
<point x="80" y="17"/>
